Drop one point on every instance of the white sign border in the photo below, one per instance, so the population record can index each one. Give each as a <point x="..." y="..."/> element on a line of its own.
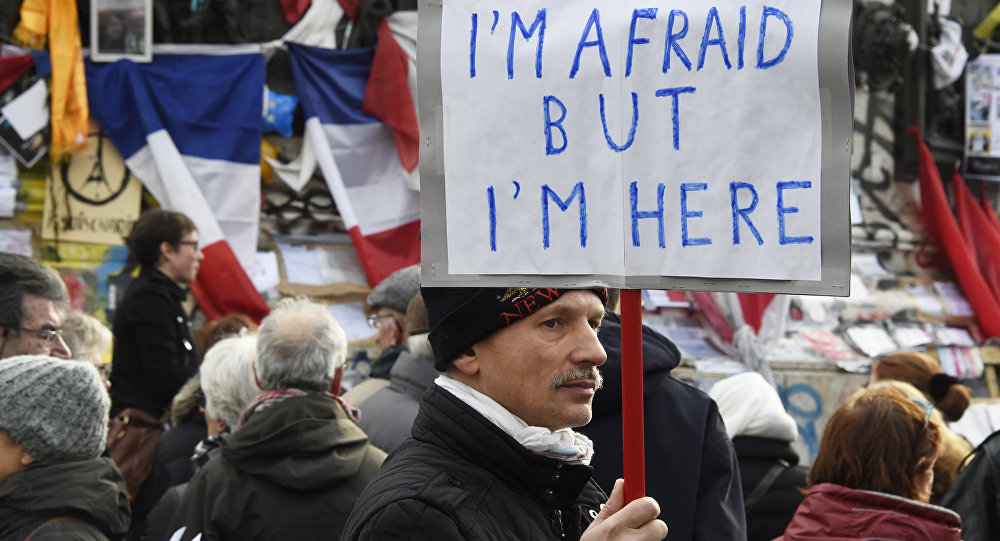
<point x="836" y="81"/>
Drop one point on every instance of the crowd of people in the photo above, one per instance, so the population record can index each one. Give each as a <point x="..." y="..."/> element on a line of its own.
<point x="472" y="424"/>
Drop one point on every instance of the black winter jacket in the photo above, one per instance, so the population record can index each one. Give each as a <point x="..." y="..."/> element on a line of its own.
<point x="154" y="352"/>
<point x="292" y="472"/>
<point x="691" y="468"/>
<point x="774" y="510"/>
<point x="461" y="477"/>
<point x="89" y="490"/>
<point x="975" y="495"/>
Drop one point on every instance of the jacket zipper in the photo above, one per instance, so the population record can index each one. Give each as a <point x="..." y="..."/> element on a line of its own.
<point x="562" y="531"/>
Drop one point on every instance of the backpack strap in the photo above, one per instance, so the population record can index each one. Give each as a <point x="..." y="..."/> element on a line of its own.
<point x="765" y="484"/>
<point x="54" y="520"/>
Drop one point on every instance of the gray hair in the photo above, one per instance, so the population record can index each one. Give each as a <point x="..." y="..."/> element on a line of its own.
<point x="86" y="337"/>
<point x="20" y="276"/>
<point x="299" y="345"/>
<point x="227" y="378"/>
<point x="419" y="345"/>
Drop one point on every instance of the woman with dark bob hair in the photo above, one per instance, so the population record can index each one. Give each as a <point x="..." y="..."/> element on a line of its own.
<point x="154" y="351"/>
<point x="872" y="476"/>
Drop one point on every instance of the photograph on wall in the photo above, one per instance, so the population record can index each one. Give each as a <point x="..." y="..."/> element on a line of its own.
<point x="982" y="119"/>
<point x="121" y="29"/>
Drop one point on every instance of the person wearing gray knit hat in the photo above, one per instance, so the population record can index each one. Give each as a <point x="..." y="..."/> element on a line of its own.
<point x="387" y="303"/>
<point x="56" y="410"/>
<point x="54" y="481"/>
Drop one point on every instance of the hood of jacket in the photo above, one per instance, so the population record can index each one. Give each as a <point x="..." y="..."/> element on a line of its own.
<point x="92" y="490"/>
<point x="659" y="357"/>
<point x="303" y="442"/>
<point x="837" y="513"/>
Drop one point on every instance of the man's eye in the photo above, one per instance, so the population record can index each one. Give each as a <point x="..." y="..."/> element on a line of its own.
<point x="551" y="323"/>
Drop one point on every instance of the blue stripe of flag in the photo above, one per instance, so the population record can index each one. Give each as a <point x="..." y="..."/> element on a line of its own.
<point x="211" y="105"/>
<point x="331" y="82"/>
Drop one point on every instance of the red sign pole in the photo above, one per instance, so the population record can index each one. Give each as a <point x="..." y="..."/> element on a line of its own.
<point x="632" y="418"/>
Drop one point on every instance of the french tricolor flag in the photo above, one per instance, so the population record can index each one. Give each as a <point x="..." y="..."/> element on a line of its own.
<point x="359" y="158"/>
<point x="189" y="127"/>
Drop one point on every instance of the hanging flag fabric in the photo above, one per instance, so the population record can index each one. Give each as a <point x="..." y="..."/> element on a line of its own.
<point x="189" y="127"/>
<point x="942" y="227"/>
<point x="977" y="227"/>
<point x="988" y="209"/>
<point x="57" y="20"/>
<point x="358" y="157"/>
<point x="754" y="305"/>
<point x="387" y="94"/>
<point x="12" y="68"/>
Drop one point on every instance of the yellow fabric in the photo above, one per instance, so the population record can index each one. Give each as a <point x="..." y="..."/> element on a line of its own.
<point x="68" y="89"/>
<point x="32" y="29"/>
<point x="70" y="112"/>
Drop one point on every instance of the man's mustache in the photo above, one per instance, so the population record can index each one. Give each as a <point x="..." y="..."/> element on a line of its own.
<point x="577" y="374"/>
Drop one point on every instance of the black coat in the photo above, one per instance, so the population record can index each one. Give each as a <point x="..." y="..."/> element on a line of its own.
<point x="774" y="510"/>
<point x="89" y="490"/>
<point x="691" y="468"/>
<point x="975" y="495"/>
<point x="461" y="477"/>
<point x="172" y="466"/>
<point x="154" y="352"/>
<point x="292" y="472"/>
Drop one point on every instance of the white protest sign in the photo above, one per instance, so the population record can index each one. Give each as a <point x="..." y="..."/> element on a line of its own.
<point x="672" y="139"/>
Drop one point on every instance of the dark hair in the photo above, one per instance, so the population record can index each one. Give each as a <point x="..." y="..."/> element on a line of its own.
<point x="152" y="229"/>
<point x="917" y="369"/>
<point x="879" y="441"/>
<point x="20" y="276"/>
<point x="217" y="329"/>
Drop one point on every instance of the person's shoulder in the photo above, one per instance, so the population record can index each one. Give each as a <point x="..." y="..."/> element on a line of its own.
<point x="684" y="397"/>
<point x="67" y="529"/>
<point x="410" y="519"/>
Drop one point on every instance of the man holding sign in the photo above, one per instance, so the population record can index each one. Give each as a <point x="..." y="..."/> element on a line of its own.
<point x="492" y="453"/>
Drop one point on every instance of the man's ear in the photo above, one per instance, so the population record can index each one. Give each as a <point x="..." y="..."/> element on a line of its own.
<point x="467" y="363"/>
<point x="26" y="459"/>
<point x="256" y="380"/>
<point x="337" y="378"/>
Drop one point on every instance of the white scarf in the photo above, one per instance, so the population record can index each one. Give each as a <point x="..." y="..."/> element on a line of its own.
<point x="563" y="444"/>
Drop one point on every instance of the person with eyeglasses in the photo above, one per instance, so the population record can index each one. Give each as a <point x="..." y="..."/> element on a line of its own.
<point x="873" y="474"/>
<point x="387" y="302"/>
<point x="154" y="351"/>
<point x="32" y="301"/>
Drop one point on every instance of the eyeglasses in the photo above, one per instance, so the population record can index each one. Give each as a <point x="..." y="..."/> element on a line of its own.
<point x="928" y="407"/>
<point x="375" y="320"/>
<point x="191" y="243"/>
<point x="49" y="335"/>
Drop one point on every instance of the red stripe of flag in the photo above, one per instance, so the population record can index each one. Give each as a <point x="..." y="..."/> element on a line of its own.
<point x="222" y="287"/>
<point x="383" y="253"/>
<point x="941" y="226"/>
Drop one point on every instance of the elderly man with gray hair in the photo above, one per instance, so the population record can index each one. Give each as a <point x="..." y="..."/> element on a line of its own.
<point x="296" y="461"/>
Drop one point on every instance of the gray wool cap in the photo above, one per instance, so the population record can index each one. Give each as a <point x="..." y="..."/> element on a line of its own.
<point x="56" y="410"/>
<point x="396" y="290"/>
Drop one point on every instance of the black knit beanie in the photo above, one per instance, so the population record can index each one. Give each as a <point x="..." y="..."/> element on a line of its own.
<point x="459" y="317"/>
